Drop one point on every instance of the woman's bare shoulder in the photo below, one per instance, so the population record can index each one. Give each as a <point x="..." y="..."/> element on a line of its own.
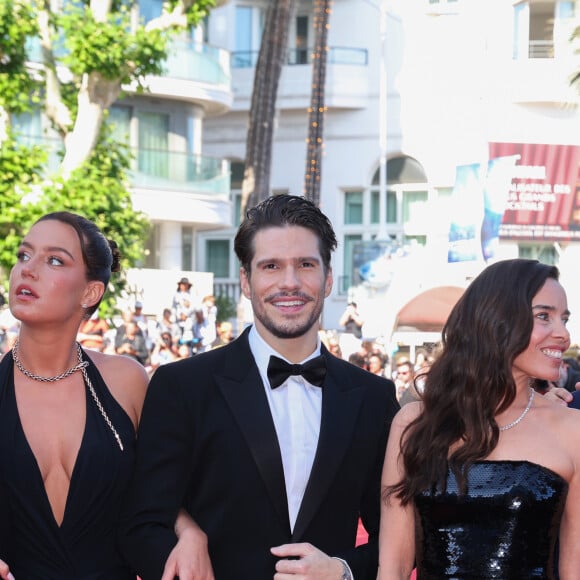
<point x="126" y="378"/>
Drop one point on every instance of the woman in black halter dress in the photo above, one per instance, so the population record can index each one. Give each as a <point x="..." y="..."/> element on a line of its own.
<point x="483" y="474"/>
<point x="67" y="419"/>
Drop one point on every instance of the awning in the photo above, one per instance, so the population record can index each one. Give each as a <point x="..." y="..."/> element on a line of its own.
<point x="428" y="311"/>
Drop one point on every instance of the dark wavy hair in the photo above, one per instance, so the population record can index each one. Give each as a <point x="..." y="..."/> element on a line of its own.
<point x="471" y="380"/>
<point x="100" y="255"/>
<point x="280" y="211"/>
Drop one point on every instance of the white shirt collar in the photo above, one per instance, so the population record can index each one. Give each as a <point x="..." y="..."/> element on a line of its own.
<point x="262" y="350"/>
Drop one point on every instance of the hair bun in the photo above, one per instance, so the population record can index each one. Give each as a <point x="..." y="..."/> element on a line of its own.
<point x="116" y="264"/>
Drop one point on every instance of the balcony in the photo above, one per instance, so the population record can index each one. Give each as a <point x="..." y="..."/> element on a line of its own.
<point x="194" y="72"/>
<point x="540" y="72"/>
<point x="182" y="187"/>
<point x="347" y="78"/>
<point x="298" y="56"/>
<point x="169" y="185"/>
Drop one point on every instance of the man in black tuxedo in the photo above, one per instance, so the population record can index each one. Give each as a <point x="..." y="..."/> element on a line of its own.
<point x="274" y="446"/>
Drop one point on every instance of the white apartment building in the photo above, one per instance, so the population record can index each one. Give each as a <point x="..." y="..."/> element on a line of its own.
<point x="419" y="95"/>
<point x="463" y="82"/>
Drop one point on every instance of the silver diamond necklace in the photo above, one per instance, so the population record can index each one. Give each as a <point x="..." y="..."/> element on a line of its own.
<point x="80" y="366"/>
<point x="525" y="412"/>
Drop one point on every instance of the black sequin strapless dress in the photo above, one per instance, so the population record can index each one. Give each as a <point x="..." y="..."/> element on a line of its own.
<point x="504" y="527"/>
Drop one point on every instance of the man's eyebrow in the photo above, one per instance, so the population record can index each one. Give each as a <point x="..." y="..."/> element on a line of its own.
<point x="298" y="259"/>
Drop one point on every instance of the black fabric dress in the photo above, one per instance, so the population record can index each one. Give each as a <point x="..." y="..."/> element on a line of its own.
<point x="84" y="546"/>
<point x="504" y="527"/>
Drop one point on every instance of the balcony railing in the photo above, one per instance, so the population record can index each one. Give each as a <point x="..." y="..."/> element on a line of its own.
<point x="198" y="62"/>
<point x="541" y="49"/>
<point x="296" y="56"/>
<point x="159" y="169"/>
<point x="171" y="170"/>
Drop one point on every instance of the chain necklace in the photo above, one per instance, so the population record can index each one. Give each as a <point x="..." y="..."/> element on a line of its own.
<point x="81" y="365"/>
<point x="525" y="412"/>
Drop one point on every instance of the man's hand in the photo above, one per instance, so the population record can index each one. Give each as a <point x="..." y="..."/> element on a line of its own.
<point x="308" y="563"/>
<point x="560" y="395"/>
<point x="5" y="573"/>
<point x="190" y="558"/>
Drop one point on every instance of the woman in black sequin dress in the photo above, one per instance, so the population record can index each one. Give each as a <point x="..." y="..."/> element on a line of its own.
<point x="483" y="474"/>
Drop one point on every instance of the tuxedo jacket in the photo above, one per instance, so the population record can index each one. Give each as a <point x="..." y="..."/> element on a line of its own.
<point x="207" y="442"/>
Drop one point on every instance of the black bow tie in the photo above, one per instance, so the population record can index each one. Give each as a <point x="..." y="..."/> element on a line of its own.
<point x="313" y="371"/>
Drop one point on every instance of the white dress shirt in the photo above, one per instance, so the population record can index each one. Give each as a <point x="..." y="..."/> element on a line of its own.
<point x="296" y="408"/>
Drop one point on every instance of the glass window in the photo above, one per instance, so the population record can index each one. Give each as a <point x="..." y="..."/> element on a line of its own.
<point x="353" y="207"/>
<point x="412" y="200"/>
<point x="217" y="258"/>
<point x="249" y="26"/>
<point x="153" y="144"/>
<point x="28" y="126"/>
<point x="544" y="253"/>
<point x="392" y="213"/>
<point x="350" y="242"/>
<point x="152" y="253"/>
<point x="120" y="120"/>
<point x="391" y="207"/>
<point x="301" y="39"/>
<point x="150" y="9"/>
<point x="236" y="180"/>
<point x="243" y="28"/>
<point x="186" y="248"/>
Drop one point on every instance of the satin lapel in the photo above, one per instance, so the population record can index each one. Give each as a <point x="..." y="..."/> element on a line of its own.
<point x="249" y="406"/>
<point x="340" y="406"/>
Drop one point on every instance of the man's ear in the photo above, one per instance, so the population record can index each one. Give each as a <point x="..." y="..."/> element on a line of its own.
<point x="245" y="283"/>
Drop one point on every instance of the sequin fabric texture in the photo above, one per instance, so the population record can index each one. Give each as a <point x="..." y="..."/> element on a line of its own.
<point x="505" y="526"/>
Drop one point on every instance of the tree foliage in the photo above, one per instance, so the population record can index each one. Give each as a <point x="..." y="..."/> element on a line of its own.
<point x="72" y="60"/>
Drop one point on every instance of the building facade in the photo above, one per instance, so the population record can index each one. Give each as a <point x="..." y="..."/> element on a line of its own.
<point x="418" y="94"/>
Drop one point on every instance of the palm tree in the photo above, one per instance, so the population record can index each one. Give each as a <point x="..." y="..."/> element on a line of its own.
<point x="272" y="57"/>
<point x="314" y="142"/>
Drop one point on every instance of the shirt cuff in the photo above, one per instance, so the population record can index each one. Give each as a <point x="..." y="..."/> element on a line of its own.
<point x="346" y="572"/>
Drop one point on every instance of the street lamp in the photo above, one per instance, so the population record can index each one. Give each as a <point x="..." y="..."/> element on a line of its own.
<point x="382" y="234"/>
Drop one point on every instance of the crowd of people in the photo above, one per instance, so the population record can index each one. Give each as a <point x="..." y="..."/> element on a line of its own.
<point x="263" y="458"/>
<point x="188" y="327"/>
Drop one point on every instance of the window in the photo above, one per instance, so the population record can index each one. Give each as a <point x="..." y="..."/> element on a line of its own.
<point x="236" y="180"/>
<point x="249" y="26"/>
<point x="437" y="7"/>
<point x="542" y="29"/>
<point x="353" y="207"/>
<point x="150" y="9"/>
<point x="152" y="253"/>
<point x="346" y="280"/>
<point x="217" y="257"/>
<point x="411" y="201"/>
<point x="186" y="248"/>
<point x="153" y="144"/>
<point x="301" y="41"/>
<point x="544" y="253"/>
<point x="120" y="122"/>
<point x="391" y="207"/>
